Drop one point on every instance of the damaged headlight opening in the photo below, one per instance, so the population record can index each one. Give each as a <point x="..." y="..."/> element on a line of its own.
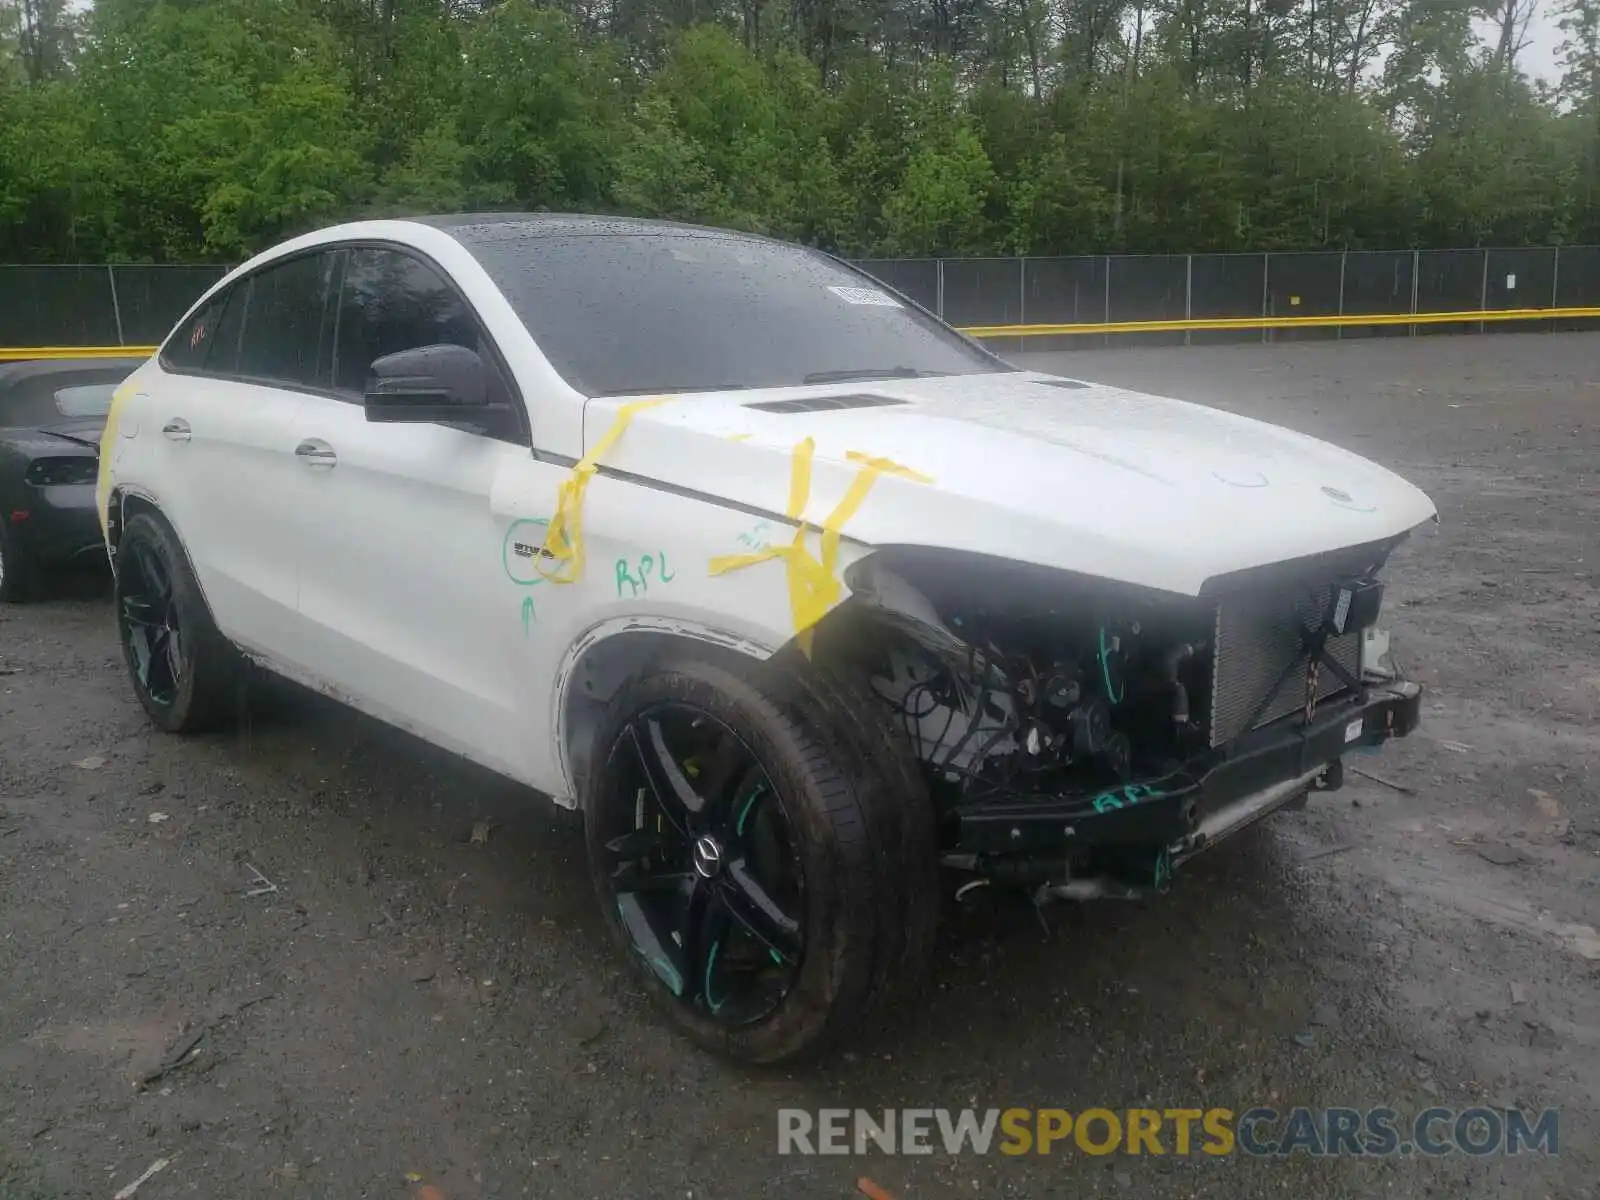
<point x="1082" y="738"/>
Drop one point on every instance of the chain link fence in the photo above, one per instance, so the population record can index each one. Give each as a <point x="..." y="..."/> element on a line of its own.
<point x="1342" y="286"/>
<point x="135" y="305"/>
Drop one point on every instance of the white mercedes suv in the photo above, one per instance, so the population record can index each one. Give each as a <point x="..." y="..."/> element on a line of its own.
<point x="821" y="612"/>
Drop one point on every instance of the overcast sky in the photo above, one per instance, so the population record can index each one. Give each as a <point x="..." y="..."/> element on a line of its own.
<point x="1544" y="32"/>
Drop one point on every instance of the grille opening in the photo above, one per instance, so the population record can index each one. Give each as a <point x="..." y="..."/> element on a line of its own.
<point x="824" y="403"/>
<point x="1260" y="659"/>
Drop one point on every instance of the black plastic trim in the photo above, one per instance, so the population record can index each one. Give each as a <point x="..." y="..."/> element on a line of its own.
<point x="1281" y="752"/>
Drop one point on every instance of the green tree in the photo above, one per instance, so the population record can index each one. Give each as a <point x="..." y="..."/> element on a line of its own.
<point x="941" y="205"/>
<point x="536" y="115"/>
<point x="175" y="129"/>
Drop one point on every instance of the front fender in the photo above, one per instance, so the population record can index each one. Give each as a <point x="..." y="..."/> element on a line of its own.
<point x="609" y="651"/>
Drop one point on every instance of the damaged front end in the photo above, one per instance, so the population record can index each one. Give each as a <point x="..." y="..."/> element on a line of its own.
<point x="1084" y="739"/>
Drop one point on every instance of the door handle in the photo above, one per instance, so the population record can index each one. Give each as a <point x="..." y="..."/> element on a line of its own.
<point x="176" y="430"/>
<point x="315" y="452"/>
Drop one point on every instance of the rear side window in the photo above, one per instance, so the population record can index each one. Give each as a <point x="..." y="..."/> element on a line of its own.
<point x="222" y="356"/>
<point x="187" y="349"/>
<point x="283" y="324"/>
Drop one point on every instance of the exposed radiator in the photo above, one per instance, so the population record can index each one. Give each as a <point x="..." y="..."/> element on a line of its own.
<point x="1257" y="638"/>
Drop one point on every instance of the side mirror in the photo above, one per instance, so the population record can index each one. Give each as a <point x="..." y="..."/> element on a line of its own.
<point x="428" y="384"/>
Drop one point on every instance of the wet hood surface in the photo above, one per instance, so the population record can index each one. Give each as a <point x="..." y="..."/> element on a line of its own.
<point x="64" y="438"/>
<point x="1110" y="483"/>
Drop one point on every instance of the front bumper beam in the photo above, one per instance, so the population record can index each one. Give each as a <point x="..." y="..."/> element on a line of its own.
<point x="1185" y="812"/>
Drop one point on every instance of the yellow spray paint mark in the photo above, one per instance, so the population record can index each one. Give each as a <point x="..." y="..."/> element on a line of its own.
<point x="813" y="587"/>
<point x="108" y="440"/>
<point x="563" y="540"/>
<point x="738" y="437"/>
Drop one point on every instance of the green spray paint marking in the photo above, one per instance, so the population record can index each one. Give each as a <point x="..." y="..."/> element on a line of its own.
<point x="744" y="814"/>
<point x="668" y="973"/>
<point x="636" y="574"/>
<point x="757" y="537"/>
<point x="1105" y="672"/>
<point x="1125" y="797"/>
<point x="519" y="552"/>
<point x="1163" y="871"/>
<point x="529" y="616"/>
<point x="711" y="961"/>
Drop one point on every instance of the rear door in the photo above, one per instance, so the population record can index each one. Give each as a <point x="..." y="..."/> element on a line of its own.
<point x="223" y="419"/>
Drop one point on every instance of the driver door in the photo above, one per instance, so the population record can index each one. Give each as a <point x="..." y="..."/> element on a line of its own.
<point x="402" y="586"/>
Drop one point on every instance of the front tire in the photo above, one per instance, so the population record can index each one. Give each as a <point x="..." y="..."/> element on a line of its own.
<point x="181" y="667"/>
<point x="752" y="851"/>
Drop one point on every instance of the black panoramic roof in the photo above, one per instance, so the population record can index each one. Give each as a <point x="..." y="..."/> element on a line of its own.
<point x="496" y="226"/>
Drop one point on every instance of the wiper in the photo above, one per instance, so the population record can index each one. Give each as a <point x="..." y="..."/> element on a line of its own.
<point x="863" y="373"/>
<point x="72" y="437"/>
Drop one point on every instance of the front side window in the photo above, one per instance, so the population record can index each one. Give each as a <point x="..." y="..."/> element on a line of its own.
<point x="392" y="301"/>
<point x="628" y="313"/>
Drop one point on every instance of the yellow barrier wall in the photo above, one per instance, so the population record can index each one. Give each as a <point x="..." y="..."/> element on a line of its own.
<point x="1244" y="324"/>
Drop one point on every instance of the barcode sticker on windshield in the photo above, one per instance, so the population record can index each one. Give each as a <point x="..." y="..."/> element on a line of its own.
<point x="855" y="295"/>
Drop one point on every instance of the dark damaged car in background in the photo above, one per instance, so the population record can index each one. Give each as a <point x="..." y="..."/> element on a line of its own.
<point x="51" y="414"/>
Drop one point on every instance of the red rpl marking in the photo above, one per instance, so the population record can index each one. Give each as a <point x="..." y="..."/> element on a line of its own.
<point x="871" y="1190"/>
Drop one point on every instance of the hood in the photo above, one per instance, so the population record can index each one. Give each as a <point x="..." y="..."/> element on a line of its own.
<point x="64" y="439"/>
<point x="1110" y="483"/>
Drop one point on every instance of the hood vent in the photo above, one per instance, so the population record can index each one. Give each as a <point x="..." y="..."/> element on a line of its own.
<point x="824" y="403"/>
<point x="1073" y="384"/>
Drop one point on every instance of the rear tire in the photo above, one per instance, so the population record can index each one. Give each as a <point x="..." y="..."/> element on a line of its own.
<point x="19" y="574"/>
<point x="181" y="667"/>
<point x="854" y="827"/>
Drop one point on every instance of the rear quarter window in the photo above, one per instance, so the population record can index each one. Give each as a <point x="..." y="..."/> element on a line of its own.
<point x="191" y="342"/>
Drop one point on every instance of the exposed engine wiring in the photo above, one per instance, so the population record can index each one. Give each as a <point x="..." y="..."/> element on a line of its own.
<point x="1022" y="720"/>
<point x="990" y="773"/>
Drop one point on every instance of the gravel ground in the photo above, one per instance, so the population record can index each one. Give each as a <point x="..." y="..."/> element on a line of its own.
<point x="365" y="1000"/>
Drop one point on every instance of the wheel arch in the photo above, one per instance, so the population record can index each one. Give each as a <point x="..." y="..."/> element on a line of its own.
<point x="126" y="502"/>
<point x="601" y="659"/>
<point x="598" y="663"/>
<point x="123" y="504"/>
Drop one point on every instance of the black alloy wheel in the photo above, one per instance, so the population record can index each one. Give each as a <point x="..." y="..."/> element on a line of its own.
<point x="181" y="667"/>
<point x="704" y="864"/>
<point x="763" y="849"/>
<point x="150" y="625"/>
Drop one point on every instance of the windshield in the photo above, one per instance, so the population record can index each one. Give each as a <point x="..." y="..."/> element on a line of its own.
<point x="620" y="314"/>
<point x="86" y="400"/>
